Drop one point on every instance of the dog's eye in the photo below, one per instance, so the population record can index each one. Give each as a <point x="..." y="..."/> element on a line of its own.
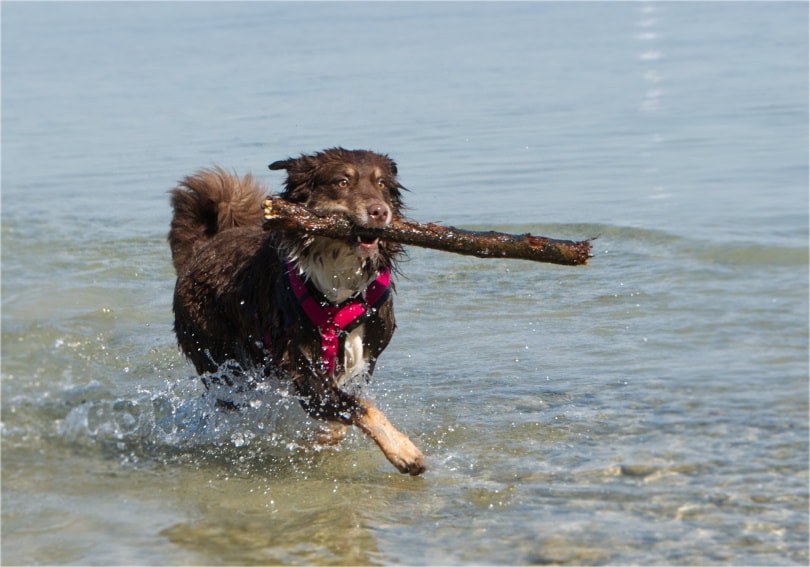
<point x="381" y="184"/>
<point x="343" y="183"/>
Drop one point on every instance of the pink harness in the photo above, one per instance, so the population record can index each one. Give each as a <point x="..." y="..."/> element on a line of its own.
<point x="333" y="320"/>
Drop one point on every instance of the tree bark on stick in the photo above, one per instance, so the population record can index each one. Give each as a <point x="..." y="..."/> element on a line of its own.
<point x="285" y="216"/>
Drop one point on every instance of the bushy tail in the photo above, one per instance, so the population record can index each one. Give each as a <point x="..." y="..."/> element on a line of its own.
<point x="209" y="202"/>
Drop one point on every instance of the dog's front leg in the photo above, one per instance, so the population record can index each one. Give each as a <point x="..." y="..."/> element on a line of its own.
<point x="396" y="446"/>
<point x="322" y="399"/>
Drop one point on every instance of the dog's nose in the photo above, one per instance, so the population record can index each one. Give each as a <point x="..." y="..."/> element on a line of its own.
<point x="378" y="213"/>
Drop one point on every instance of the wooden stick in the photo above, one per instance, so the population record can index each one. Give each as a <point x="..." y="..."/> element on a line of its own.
<point x="290" y="217"/>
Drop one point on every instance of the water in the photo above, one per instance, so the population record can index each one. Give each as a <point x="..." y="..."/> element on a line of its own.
<point x="651" y="408"/>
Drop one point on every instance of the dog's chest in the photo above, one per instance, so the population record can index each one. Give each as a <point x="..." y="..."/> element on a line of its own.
<point x="340" y="301"/>
<point x="335" y="270"/>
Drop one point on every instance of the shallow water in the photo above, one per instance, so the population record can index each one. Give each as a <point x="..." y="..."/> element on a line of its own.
<point x="649" y="408"/>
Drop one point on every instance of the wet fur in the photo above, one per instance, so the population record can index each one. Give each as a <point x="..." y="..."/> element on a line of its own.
<point x="230" y="292"/>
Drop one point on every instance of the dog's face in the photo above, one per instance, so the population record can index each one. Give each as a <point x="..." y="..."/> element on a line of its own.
<point x="359" y="184"/>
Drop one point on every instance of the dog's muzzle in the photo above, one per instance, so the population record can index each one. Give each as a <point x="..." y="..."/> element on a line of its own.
<point x="378" y="215"/>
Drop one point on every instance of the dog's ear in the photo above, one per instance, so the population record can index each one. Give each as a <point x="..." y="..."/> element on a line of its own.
<point x="300" y="178"/>
<point x="282" y="164"/>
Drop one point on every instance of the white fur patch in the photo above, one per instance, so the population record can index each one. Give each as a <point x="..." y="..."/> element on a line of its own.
<point x="355" y="367"/>
<point x="335" y="269"/>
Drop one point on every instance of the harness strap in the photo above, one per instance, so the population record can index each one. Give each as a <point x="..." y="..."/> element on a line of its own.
<point x="332" y="320"/>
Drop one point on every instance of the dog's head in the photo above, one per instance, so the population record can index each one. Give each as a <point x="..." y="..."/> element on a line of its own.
<point x="357" y="183"/>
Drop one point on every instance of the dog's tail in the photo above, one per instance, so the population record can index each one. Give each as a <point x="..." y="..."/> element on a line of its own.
<point x="208" y="202"/>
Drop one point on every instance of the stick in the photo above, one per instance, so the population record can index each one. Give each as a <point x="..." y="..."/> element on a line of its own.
<point x="290" y="217"/>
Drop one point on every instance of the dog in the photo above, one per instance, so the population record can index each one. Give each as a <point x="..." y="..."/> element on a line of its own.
<point x="315" y="311"/>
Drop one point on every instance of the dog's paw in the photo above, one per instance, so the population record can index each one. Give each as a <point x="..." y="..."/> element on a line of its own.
<point x="329" y="434"/>
<point x="412" y="464"/>
<point x="397" y="448"/>
<point x="403" y="454"/>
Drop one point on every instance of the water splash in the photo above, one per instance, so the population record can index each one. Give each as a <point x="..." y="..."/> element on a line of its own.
<point x="178" y="421"/>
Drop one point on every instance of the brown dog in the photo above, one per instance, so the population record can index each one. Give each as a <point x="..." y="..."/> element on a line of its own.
<point x="253" y="304"/>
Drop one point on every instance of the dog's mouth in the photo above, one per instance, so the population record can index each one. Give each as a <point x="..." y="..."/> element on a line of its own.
<point x="366" y="245"/>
